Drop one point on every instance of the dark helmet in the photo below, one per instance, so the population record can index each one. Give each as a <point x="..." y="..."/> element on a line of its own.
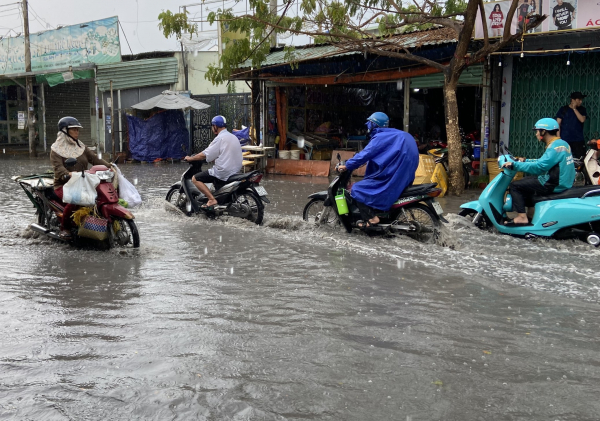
<point x="218" y="121"/>
<point x="68" y="123"/>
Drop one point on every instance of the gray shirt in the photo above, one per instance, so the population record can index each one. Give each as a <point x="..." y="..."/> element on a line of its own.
<point x="226" y="151"/>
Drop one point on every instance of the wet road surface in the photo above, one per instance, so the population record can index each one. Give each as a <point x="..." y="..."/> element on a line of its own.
<point x="224" y="320"/>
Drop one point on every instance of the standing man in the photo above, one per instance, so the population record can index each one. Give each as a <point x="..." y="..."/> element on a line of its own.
<point x="563" y="14"/>
<point x="571" y="118"/>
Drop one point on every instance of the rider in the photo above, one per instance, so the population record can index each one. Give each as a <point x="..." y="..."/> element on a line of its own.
<point x="555" y="170"/>
<point x="392" y="158"/>
<point x="67" y="146"/>
<point x="226" y="152"/>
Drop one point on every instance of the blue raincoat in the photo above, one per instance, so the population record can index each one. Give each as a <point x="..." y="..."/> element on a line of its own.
<point x="393" y="158"/>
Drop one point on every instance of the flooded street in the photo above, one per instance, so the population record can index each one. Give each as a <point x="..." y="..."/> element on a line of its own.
<point x="225" y="320"/>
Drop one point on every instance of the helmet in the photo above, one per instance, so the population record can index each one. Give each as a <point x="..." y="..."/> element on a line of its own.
<point x="380" y="119"/>
<point x="546" y="124"/>
<point x="218" y="121"/>
<point x="68" y="123"/>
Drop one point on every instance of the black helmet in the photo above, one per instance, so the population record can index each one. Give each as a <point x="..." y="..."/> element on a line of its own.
<point x="68" y="123"/>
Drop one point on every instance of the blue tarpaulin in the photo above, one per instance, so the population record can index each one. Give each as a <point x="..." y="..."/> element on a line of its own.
<point x="162" y="136"/>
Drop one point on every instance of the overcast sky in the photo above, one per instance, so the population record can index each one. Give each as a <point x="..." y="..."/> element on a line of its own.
<point x="139" y="19"/>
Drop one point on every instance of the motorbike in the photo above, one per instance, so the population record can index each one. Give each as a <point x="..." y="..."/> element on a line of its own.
<point x="416" y="213"/>
<point x="241" y="197"/>
<point x="441" y="157"/>
<point x="588" y="167"/>
<point x="120" y="226"/>
<point x="574" y="213"/>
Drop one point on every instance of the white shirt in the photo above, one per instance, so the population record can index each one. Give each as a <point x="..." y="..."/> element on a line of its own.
<point x="226" y="151"/>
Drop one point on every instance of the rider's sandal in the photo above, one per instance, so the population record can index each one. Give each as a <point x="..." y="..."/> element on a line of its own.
<point x="208" y="208"/>
<point x="368" y="225"/>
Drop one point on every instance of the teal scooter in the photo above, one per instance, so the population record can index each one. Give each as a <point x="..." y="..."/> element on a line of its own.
<point x="574" y="213"/>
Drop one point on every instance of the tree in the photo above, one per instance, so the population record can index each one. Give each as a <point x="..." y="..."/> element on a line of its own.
<point x="348" y="24"/>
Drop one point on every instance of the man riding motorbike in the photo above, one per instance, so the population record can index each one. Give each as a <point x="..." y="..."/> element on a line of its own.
<point x="226" y="152"/>
<point x="555" y="171"/>
<point x="392" y="158"/>
<point x="67" y="146"/>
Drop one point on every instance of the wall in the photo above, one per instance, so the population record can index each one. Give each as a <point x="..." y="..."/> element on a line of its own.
<point x="197" y="68"/>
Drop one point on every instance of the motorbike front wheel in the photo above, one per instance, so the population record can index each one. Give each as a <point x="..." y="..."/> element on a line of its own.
<point x="123" y="233"/>
<point x="423" y="219"/>
<point x="178" y="199"/>
<point x="313" y="210"/>
<point x="484" y="222"/>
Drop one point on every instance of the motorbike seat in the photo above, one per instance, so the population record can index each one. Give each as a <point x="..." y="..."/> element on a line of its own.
<point x="243" y="176"/>
<point x="418" y="189"/>
<point x="572" y="193"/>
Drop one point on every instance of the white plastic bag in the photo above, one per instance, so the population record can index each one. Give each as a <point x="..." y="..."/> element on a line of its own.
<point x="81" y="190"/>
<point x="127" y="191"/>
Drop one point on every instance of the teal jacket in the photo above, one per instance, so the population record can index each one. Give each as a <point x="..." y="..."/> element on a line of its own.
<point x="555" y="168"/>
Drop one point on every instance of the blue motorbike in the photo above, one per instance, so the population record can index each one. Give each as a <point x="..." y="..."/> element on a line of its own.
<point x="574" y="213"/>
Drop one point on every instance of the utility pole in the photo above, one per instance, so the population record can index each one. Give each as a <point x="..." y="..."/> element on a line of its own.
<point x="29" y="84"/>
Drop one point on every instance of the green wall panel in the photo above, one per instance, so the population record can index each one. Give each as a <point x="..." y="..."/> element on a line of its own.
<point x="541" y="85"/>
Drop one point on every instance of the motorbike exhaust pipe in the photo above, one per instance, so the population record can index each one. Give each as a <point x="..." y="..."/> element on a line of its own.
<point x="39" y="228"/>
<point x="593" y="239"/>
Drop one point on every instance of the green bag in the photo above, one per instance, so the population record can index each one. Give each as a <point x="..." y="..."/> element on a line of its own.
<point x="342" y="204"/>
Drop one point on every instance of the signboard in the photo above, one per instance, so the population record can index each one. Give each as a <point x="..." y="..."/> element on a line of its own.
<point x="21" y="120"/>
<point x="562" y="16"/>
<point x="91" y="42"/>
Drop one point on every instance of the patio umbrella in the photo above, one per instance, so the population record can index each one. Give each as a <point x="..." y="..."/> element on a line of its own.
<point x="170" y="100"/>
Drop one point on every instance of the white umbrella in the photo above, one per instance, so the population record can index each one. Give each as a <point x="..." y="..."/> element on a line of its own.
<point x="170" y="100"/>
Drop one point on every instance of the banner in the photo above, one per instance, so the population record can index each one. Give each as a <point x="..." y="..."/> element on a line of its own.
<point x="562" y="16"/>
<point x="92" y="42"/>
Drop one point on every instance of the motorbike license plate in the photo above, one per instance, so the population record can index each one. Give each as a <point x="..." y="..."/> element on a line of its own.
<point x="466" y="160"/>
<point x="261" y="191"/>
<point x="438" y="208"/>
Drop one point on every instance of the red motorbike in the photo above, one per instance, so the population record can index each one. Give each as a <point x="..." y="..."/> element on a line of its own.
<point x="111" y="224"/>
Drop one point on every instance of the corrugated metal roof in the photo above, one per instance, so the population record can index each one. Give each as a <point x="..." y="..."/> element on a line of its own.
<point x="472" y="75"/>
<point x="137" y="73"/>
<point x="398" y="42"/>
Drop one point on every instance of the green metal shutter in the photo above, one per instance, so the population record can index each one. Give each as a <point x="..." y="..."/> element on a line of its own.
<point x="541" y="85"/>
<point x="137" y="73"/>
<point x="471" y="76"/>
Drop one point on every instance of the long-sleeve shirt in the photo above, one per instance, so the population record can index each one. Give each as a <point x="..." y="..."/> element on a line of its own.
<point x="555" y="167"/>
<point x="392" y="158"/>
<point x="83" y="160"/>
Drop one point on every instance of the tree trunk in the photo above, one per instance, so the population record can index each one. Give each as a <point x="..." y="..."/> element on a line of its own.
<point x="453" y="134"/>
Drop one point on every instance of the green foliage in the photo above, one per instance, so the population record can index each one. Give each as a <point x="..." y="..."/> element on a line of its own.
<point x="176" y="24"/>
<point x="327" y="22"/>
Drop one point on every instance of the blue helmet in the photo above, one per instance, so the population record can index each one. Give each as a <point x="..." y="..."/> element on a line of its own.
<point x="546" y="124"/>
<point x="380" y="119"/>
<point x="218" y="121"/>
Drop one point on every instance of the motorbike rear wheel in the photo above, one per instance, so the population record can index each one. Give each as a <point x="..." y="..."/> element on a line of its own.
<point x="423" y="219"/>
<point x="313" y="210"/>
<point x="123" y="233"/>
<point x="250" y="199"/>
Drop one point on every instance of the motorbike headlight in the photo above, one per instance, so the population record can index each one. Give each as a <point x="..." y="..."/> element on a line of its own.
<point x="105" y="175"/>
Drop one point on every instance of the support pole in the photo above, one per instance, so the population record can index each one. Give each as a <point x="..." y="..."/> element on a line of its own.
<point x="120" y="123"/>
<point x="485" y="121"/>
<point x="29" y="84"/>
<point x="406" y="86"/>
<point x="112" y="121"/>
<point x="97" y="117"/>
<point x="42" y="98"/>
<point x="273" y="7"/>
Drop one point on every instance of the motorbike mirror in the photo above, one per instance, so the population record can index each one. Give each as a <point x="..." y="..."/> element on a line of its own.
<point x="339" y="157"/>
<point x="70" y="162"/>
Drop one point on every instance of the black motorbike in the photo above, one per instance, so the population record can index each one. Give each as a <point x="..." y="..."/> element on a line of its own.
<point x="416" y="213"/>
<point x="241" y="197"/>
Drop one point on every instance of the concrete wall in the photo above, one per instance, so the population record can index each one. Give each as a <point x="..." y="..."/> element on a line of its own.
<point x="197" y="68"/>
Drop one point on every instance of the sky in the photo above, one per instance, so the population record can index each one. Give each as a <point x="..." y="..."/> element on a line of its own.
<point x="138" y="18"/>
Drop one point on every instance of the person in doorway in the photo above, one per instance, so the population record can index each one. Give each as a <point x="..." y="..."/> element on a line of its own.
<point x="67" y="146"/>
<point x="226" y="152"/>
<point x="570" y="119"/>
<point x="497" y="21"/>
<point x="392" y="158"/>
<point x="555" y="170"/>
<point x="563" y="14"/>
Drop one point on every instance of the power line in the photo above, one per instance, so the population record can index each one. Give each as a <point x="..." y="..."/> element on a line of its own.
<point x="37" y="17"/>
<point x="130" y="50"/>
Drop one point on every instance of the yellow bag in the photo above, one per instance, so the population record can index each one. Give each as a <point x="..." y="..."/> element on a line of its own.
<point x="441" y="178"/>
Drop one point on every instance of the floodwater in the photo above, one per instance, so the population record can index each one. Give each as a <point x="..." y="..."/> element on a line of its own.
<point x="224" y="320"/>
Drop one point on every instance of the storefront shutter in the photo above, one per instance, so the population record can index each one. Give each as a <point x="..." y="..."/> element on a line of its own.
<point x="68" y="99"/>
<point x="541" y="85"/>
<point x="471" y="76"/>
